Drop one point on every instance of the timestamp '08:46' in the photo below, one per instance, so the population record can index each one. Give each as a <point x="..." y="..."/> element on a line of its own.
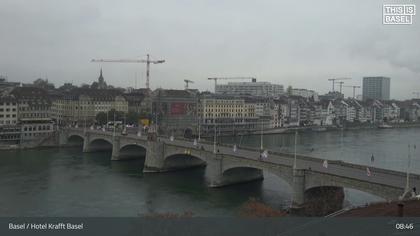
<point x="404" y="226"/>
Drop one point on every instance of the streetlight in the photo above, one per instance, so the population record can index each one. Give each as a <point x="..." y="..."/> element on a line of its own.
<point x="124" y="125"/>
<point x="199" y="131"/>
<point x="107" y="120"/>
<point x="294" y="161"/>
<point x="261" y="141"/>
<point x="199" y="119"/>
<point x="215" y="134"/>
<point x="113" y="134"/>
<point x="214" y="139"/>
<point x="407" y="185"/>
<point x="156" y="124"/>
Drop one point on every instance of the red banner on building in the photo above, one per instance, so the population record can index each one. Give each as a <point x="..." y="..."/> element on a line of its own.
<point x="178" y="108"/>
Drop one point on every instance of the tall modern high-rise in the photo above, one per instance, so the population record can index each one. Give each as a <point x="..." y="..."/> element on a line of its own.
<point x="377" y="87"/>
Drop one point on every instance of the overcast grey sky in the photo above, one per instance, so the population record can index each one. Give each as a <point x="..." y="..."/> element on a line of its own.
<point x="300" y="43"/>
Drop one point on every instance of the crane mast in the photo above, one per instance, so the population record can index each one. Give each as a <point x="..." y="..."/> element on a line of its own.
<point x="336" y="79"/>
<point x="187" y="82"/>
<point x="354" y="89"/>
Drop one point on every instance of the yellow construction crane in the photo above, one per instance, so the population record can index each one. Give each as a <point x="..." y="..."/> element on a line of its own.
<point x="187" y="81"/>
<point x="229" y="78"/>
<point x="147" y="61"/>
<point x="354" y="89"/>
<point x="335" y="79"/>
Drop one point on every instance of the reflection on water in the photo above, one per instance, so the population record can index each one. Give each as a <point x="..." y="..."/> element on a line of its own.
<point x="67" y="182"/>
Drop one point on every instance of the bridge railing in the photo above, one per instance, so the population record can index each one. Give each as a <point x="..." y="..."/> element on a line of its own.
<point x="314" y="159"/>
<point x="281" y="154"/>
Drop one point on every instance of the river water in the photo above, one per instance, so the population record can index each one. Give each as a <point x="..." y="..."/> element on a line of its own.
<point x="67" y="182"/>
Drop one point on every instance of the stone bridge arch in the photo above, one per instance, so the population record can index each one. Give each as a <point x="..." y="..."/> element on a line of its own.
<point x="175" y="160"/>
<point x="241" y="174"/>
<point x="95" y="144"/>
<point x="96" y="138"/>
<point x="318" y="180"/>
<point x="131" y="150"/>
<point x="75" y="134"/>
<point x="74" y="140"/>
<point x="257" y="169"/>
<point x="133" y="144"/>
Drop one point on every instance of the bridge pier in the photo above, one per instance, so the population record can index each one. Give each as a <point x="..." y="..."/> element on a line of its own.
<point x="214" y="171"/>
<point x="298" y="197"/>
<point x="115" y="149"/>
<point x="154" y="161"/>
<point x="62" y="139"/>
<point x="86" y="141"/>
<point x="321" y="201"/>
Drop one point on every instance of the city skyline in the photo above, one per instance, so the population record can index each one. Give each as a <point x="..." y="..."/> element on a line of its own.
<point x="207" y="39"/>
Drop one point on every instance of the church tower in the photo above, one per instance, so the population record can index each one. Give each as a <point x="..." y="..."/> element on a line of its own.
<point x="101" y="82"/>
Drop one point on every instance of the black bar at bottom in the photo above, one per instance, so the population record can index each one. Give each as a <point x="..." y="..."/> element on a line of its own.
<point x="287" y="226"/>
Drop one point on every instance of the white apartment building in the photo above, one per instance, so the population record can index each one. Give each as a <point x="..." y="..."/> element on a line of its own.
<point x="226" y="114"/>
<point x="263" y="89"/>
<point x="391" y="112"/>
<point x="8" y="111"/>
<point x="306" y="93"/>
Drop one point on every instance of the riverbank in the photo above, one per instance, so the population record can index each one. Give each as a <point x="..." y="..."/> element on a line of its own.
<point x="50" y="141"/>
<point x="316" y="129"/>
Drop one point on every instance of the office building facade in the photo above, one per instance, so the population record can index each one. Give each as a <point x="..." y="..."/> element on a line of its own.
<point x="376" y="88"/>
<point x="264" y="89"/>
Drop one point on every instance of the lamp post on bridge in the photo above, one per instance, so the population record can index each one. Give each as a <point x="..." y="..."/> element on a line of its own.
<point x="197" y="113"/>
<point x="407" y="184"/>
<point x="113" y="133"/>
<point x="261" y="138"/>
<point x="107" y="120"/>
<point x="84" y="127"/>
<point x="294" y="159"/>
<point x="215" y="138"/>
<point x="199" y="129"/>
<point x="215" y="134"/>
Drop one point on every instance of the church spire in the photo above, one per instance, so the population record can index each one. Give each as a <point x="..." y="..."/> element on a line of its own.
<point x="101" y="81"/>
<point x="101" y="78"/>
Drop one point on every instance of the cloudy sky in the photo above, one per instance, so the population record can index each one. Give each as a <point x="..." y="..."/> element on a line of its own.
<point x="298" y="43"/>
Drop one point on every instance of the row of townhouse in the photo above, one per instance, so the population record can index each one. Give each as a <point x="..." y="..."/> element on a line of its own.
<point x="80" y="106"/>
<point x="24" y="115"/>
<point x="297" y="111"/>
<point x="31" y="113"/>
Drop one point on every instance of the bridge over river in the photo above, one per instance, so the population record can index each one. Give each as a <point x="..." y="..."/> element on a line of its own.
<point x="228" y="166"/>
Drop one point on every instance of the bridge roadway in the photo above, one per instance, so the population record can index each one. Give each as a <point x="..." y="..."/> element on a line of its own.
<point x="227" y="166"/>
